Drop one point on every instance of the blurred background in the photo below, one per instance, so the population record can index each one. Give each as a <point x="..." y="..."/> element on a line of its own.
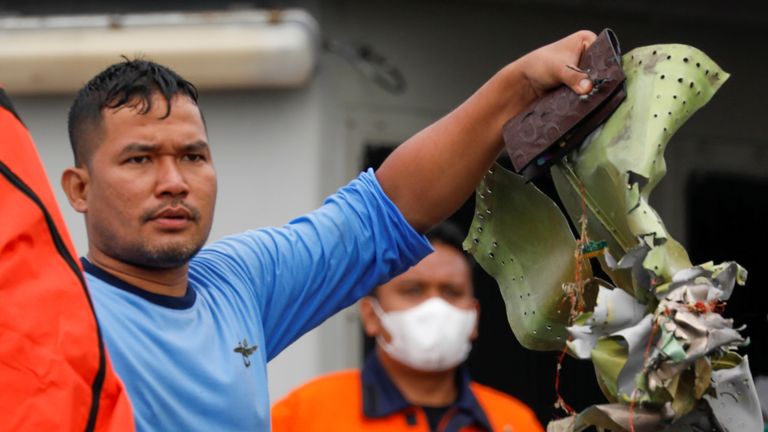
<point x="297" y="103"/>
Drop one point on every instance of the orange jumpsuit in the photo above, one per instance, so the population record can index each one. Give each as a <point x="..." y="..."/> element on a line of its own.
<point x="367" y="400"/>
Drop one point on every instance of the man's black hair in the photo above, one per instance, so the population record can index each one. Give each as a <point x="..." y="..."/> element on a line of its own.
<point x="131" y="83"/>
<point x="449" y="234"/>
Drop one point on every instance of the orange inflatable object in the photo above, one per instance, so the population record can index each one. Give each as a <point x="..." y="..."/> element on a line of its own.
<point x="54" y="371"/>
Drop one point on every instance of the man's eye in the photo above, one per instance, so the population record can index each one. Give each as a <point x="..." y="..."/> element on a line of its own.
<point x="412" y="290"/>
<point x="192" y="157"/>
<point x="137" y="160"/>
<point x="452" y="291"/>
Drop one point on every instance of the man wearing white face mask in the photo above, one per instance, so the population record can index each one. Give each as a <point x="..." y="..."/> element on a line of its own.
<point x="424" y="322"/>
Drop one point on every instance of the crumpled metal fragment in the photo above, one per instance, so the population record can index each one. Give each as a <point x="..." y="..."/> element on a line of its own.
<point x="663" y="354"/>
<point x="614" y="311"/>
<point x="734" y="403"/>
<point x="661" y="358"/>
<point x="691" y="327"/>
<point x="723" y="276"/>
<point x="614" y="417"/>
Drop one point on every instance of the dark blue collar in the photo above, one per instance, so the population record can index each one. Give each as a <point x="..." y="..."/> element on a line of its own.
<point x="381" y="398"/>
<point x="184" y="302"/>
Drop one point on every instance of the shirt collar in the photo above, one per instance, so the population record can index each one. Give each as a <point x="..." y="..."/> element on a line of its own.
<point x="382" y="398"/>
<point x="184" y="302"/>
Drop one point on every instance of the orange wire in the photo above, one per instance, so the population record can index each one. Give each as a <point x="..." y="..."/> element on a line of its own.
<point x="575" y="296"/>
<point x="560" y="401"/>
<point x="647" y="354"/>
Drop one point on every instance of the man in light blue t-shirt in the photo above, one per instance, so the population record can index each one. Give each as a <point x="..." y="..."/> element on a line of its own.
<point x="189" y="328"/>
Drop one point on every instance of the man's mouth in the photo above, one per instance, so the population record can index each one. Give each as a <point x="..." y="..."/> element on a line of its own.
<point x="172" y="217"/>
<point x="173" y="213"/>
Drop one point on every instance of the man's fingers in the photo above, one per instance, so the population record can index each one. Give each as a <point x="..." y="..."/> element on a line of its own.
<point x="588" y="37"/>
<point x="578" y="80"/>
<point x="555" y="64"/>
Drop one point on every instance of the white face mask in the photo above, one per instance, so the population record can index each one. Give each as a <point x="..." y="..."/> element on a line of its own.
<point x="432" y="336"/>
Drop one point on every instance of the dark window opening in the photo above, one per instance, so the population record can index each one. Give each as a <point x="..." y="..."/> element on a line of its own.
<point x="726" y="220"/>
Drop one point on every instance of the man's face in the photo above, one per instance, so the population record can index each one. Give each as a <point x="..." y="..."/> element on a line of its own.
<point x="151" y="185"/>
<point x="445" y="273"/>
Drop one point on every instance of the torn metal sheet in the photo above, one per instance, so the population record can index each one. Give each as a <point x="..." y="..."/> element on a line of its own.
<point x="735" y="403"/>
<point x="621" y="163"/>
<point x="723" y="276"/>
<point x="636" y="339"/>
<point x="700" y="419"/>
<point x="615" y="310"/>
<point x="521" y="238"/>
<point x="603" y="222"/>
<point x="616" y="418"/>
<point x="612" y="417"/>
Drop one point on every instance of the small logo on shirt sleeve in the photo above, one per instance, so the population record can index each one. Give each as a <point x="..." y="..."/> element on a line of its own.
<point x="246" y="351"/>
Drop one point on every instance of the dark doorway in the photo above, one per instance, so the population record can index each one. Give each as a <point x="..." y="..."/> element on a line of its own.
<point x="497" y="359"/>
<point x="726" y="219"/>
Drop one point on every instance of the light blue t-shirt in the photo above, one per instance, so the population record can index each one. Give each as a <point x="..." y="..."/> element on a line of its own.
<point x="198" y="362"/>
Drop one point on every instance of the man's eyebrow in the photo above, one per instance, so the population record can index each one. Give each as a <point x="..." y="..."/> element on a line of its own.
<point x="150" y="148"/>
<point x="195" y="146"/>
<point x="139" y="148"/>
<point x="409" y="282"/>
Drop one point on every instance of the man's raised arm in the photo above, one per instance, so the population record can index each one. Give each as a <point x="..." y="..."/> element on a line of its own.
<point x="430" y="175"/>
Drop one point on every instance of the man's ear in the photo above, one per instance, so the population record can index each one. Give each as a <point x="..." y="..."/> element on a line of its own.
<point x="371" y="322"/>
<point x="75" y="182"/>
<point x="476" y="331"/>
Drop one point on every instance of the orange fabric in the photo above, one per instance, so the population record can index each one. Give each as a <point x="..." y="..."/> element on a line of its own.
<point x="52" y="359"/>
<point x="334" y="402"/>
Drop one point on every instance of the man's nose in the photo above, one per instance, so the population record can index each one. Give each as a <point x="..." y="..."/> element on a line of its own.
<point x="170" y="178"/>
<point x="432" y="290"/>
